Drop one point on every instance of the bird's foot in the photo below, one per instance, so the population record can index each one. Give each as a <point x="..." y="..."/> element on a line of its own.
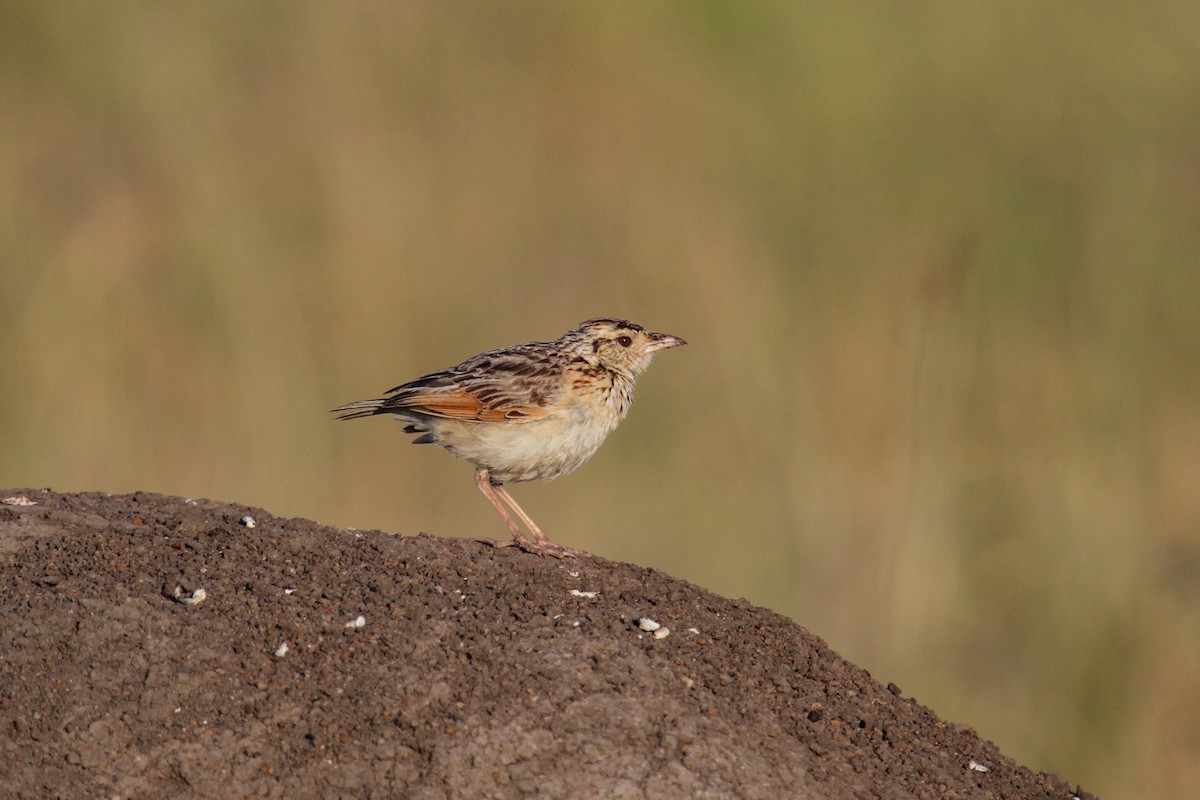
<point x="544" y="549"/>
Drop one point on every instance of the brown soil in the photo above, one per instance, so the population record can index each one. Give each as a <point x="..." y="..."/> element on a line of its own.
<point x="479" y="673"/>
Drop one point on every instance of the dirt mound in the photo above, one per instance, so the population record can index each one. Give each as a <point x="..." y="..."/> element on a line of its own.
<point x="321" y="662"/>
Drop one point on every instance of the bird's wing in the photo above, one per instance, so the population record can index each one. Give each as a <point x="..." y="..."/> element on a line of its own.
<point x="515" y="384"/>
<point x="462" y="405"/>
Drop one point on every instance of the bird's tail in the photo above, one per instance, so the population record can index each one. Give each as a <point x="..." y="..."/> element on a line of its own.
<point x="359" y="408"/>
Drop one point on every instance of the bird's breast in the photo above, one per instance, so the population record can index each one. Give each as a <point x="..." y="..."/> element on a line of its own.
<point x="600" y="392"/>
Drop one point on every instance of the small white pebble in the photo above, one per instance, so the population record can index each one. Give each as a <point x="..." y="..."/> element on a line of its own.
<point x="195" y="598"/>
<point x="198" y="596"/>
<point x="289" y="591"/>
<point x="21" y="500"/>
<point x="575" y="624"/>
<point x="694" y="630"/>
<point x="358" y="622"/>
<point x="282" y="650"/>
<point x="588" y="595"/>
<point x="662" y="633"/>
<point x="647" y="624"/>
<point x="248" y="521"/>
<point x="975" y="765"/>
<point x="688" y="682"/>
<point x="574" y="573"/>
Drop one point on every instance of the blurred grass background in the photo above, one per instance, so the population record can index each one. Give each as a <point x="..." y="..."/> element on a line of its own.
<point x="939" y="265"/>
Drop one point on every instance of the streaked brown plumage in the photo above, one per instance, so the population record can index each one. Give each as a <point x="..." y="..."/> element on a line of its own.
<point x="530" y="412"/>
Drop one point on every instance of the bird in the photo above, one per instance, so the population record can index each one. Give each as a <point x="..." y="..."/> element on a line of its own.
<point x="533" y="411"/>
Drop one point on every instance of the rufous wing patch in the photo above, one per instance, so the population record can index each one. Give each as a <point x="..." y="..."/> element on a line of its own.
<point x="465" y="406"/>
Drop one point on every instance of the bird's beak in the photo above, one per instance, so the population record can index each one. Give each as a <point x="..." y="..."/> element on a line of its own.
<point x="661" y="341"/>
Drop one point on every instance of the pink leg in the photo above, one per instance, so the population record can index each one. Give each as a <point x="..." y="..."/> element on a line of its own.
<point x="543" y="544"/>
<point x="503" y="494"/>
<point x="484" y="483"/>
<point x="494" y="492"/>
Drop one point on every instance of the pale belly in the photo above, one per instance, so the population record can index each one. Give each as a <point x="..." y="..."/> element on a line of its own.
<point x="523" y="451"/>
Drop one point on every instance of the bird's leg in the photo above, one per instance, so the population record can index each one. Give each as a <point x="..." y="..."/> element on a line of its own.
<point x="503" y="494"/>
<point x="543" y="544"/>
<point x="484" y="482"/>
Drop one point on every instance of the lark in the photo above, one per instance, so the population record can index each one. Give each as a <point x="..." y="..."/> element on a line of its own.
<point x="530" y="412"/>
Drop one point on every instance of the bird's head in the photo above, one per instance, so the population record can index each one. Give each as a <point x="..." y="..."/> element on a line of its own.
<point x="619" y="345"/>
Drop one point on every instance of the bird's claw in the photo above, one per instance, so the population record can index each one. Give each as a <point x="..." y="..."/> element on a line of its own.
<point x="543" y="549"/>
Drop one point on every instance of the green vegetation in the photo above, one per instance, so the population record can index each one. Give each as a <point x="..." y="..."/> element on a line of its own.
<point x="938" y="263"/>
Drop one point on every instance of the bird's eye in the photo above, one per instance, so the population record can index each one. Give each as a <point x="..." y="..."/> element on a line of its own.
<point x="625" y="341"/>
